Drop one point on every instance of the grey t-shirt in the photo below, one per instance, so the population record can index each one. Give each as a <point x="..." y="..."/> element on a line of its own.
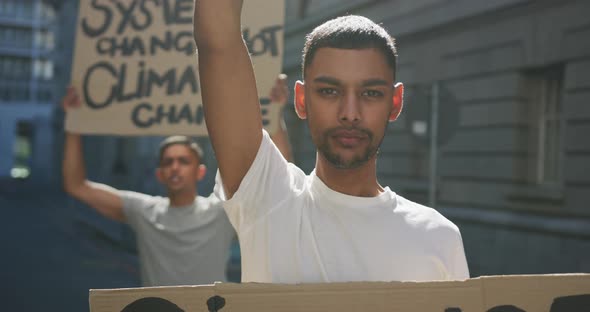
<point x="179" y="245"/>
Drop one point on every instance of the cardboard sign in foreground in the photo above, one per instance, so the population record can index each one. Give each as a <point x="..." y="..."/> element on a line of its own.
<point x="135" y="66"/>
<point x="530" y="293"/>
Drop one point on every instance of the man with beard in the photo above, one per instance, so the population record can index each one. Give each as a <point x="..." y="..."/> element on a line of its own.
<point x="338" y="223"/>
<point x="182" y="239"/>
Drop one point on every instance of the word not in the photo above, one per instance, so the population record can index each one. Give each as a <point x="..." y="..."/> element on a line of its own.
<point x="135" y="14"/>
<point x="171" y="80"/>
<point x="265" y="40"/>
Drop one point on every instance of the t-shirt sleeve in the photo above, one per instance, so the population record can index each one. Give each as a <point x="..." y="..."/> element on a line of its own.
<point x="135" y="205"/>
<point x="459" y="269"/>
<point x="268" y="181"/>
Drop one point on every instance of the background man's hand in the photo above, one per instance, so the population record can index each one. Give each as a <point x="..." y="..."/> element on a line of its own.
<point x="280" y="92"/>
<point x="71" y="100"/>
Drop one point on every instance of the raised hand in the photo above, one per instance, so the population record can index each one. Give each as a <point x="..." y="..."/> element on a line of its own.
<point x="71" y="100"/>
<point x="280" y="92"/>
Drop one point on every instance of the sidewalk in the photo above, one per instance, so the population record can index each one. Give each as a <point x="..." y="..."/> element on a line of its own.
<point x="54" y="251"/>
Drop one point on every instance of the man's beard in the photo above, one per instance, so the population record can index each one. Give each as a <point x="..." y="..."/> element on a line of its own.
<point x="336" y="160"/>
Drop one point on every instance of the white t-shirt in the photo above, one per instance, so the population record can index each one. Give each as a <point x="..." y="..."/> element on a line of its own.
<point x="187" y="245"/>
<point x="294" y="229"/>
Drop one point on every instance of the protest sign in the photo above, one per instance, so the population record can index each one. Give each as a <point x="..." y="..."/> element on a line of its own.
<point x="135" y="66"/>
<point x="525" y="293"/>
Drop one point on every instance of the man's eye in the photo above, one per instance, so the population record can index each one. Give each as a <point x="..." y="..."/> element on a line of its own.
<point x="372" y="93"/>
<point x="327" y="91"/>
<point x="184" y="161"/>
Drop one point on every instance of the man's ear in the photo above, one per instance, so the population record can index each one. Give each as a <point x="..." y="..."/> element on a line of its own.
<point x="201" y="172"/>
<point x="397" y="101"/>
<point x="300" y="100"/>
<point x="159" y="175"/>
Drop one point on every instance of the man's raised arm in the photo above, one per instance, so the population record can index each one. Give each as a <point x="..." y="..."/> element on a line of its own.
<point x="228" y="86"/>
<point x="103" y="198"/>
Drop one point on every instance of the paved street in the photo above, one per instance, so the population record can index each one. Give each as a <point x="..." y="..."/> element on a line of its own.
<point x="54" y="250"/>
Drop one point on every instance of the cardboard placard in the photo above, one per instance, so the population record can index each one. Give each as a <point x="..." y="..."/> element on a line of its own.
<point x="518" y="293"/>
<point x="135" y="66"/>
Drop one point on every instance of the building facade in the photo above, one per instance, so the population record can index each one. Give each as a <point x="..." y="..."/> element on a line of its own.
<point x="27" y="89"/>
<point x="492" y="131"/>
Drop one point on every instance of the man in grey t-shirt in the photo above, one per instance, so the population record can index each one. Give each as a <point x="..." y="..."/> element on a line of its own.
<point x="183" y="239"/>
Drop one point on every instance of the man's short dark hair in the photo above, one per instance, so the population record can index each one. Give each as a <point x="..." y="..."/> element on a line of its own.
<point x="349" y="32"/>
<point x="180" y="139"/>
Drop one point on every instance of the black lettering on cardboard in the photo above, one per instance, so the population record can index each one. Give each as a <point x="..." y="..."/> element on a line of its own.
<point x="188" y="78"/>
<point x="173" y="41"/>
<point x="126" y="13"/>
<point x="215" y="303"/>
<point x="140" y="79"/>
<point x="121" y="96"/>
<point x="576" y="303"/>
<point x="263" y="42"/>
<point x="168" y="15"/>
<point x="199" y="116"/>
<point x="453" y="309"/>
<point x="135" y="116"/>
<point x="146" y="13"/>
<point x="136" y="45"/>
<point x="189" y="45"/>
<point x="183" y="7"/>
<point x="144" y="115"/>
<point x="127" y="46"/>
<point x="154" y="78"/>
<point x="264" y="101"/>
<point x="104" y="45"/>
<point x="506" y="308"/>
<point x="152" y="304"/>
<point x="145" y="85"/>
<point x="106" y="22"/>
<point x="166" y="112"/>
<point x="180" y="12"/>
<point x="91" y="102"/>
<point x="184" y="114"/>
<point x="159" y="43"/>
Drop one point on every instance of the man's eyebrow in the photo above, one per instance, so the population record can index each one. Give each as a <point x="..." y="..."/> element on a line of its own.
<point x="328" y="80"/>
<point x="374" y="82"/>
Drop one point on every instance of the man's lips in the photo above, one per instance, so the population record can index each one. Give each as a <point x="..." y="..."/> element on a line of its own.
<point x="349" y="137"/>
<point x="174" y="179"/>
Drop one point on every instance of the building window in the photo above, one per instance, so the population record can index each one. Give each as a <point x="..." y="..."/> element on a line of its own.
<point x="22" y="150"/>
<point x="544" y="91"/>
<point x="303" y="5"/>
<point x="43" y="69"/>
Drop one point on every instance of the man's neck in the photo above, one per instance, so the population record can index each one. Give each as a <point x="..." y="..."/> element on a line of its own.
<point x="361" y="181"/>
<point x="181" y="199"/>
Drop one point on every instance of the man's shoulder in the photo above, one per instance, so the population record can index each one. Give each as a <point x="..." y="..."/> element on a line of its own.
<point x="210" y="202"/>
<point x="424" y="217"/>
<point x="141" y="198"/>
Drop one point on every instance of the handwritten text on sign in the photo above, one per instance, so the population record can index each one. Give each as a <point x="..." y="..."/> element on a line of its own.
<point x="135" y="65"/>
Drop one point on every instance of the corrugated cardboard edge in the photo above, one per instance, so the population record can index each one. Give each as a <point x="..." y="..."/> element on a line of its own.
<point x="121" y="296"/>
<point x="489" y="288"/>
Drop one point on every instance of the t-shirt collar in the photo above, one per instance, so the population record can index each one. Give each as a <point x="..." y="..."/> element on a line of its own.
<point x="320" y="188"/>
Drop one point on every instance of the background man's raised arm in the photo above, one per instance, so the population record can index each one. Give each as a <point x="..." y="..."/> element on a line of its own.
<point x="228" y="86"/>
<point x="103" y="198"/>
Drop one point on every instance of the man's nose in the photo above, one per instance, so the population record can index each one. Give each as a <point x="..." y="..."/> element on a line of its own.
<point x="350" y="109"/>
